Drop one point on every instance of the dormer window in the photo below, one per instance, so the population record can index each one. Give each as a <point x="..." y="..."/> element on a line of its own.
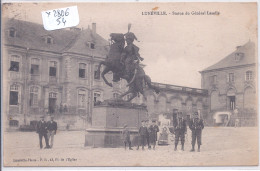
<point x="92" y="45"/>
<point x="12" y="32"/>
<point x="239" y="56"/>
<point x="48" y="40"/>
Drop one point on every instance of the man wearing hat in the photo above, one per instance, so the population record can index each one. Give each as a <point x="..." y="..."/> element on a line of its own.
<point x="42" y="131"/>
<point x="180" y="129"/>
<point x="143" y="134"/>
<point x="196" y="126"/>
<point x="126" y="137"/>
<point x="52" y="128"/>
<point x="153" y="130"/>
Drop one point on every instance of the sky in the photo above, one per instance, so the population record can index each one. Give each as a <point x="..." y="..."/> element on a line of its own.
<point x="174" y="47"/>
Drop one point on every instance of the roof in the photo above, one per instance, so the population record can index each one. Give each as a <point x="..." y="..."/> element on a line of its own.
<point x="32" y="35"/>
<point x="248" y="51"/>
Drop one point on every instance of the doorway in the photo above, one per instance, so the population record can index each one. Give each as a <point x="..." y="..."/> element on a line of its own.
<point x="52" y="102"/>
<point x="232" y="102"/>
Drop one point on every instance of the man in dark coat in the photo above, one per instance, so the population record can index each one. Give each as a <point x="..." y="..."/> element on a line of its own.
<point x="196" y="126"/>
<point x="180" y="129"/>
<point x="143" y="133"/>
<point x="42" y="131"/>
<point x="52" y="128"/>
<point x="153" y="130"/>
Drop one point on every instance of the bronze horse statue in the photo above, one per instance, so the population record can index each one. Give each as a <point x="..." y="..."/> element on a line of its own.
<point x="135" y="76"/>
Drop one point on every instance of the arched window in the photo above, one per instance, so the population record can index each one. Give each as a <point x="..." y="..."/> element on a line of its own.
<point x="82" y="99"/>
<point x="14" y="93"/>
<point x="116" y="95"/>
<point x="162" y="104"/>
<point x="97" y="96"/>
<point x="34" y="96"/>
<point x="52" y="102"/>
<point x="176" y="104"/>
<point x="249" y="75"/>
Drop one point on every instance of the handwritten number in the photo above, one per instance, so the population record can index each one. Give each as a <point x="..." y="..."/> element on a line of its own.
<point x="67" y="12"/>
<point x="64" y="21"/>
<point x="58" y="20"/>
<point x="60" y="14"/>
<point x="54" y="11"/>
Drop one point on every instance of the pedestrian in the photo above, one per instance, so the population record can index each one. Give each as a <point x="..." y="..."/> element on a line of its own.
<point x="126" y="137"/>
<point x="52" y="129"/>
<point x="143" y="133"/>
<point x="180" y="129"/>
<point x="42" y="131"/>
<point x="196" y="126"/>
<point x="148" y="134"/>
<point x="154" y="129"/>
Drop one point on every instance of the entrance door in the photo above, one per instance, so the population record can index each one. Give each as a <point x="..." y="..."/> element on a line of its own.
<point x="52" y="102"/>
<point x="232" y="102"/>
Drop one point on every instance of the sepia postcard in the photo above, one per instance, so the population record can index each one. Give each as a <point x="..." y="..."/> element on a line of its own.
<point x="130" y="84"/>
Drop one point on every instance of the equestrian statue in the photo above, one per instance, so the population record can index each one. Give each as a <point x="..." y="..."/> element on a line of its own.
<point x="124" y="61"/>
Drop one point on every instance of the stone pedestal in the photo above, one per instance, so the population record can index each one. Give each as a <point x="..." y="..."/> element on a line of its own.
<point x="108" y="119"/>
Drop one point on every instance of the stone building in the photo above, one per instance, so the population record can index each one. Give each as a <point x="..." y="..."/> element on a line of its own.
<point x="54" y="72"/>
<point x="232" y="82"/>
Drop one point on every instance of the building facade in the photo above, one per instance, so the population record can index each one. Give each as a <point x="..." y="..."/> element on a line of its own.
<point x="54" y="73"/>
<point x="232" y="82"/>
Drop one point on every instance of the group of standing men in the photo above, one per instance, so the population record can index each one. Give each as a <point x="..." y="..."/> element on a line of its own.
<point x="180" y="129"/>
<point x="147" y="134"/>
<point x="46" y="130"/>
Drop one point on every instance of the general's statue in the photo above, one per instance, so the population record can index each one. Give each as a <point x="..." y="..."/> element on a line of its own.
<point x="123" y="61"/>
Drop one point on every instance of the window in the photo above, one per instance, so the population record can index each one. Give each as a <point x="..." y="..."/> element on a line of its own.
<point x="14" y="64"/>
<point x="53" y="95"/>
<point x="249" y="75"/>
<point x="53" y="68"/>
<point x="115" y="95"/>
<point x="128" y="97"/>
<point x="238" y="56"/>
<point x="14" y="90"/>
<point x="35" y="66"/>
<point x="12" y="32"/>
<point x="52" y="102"/>
<point x="49" y="40"/>
<point x="92" y="45"/>
<point x="82" y="99"/>
<point x="13" y="123"/>
<point x="213" y="79"/>
<point x="34" y="91"/>
<point x="231" y="77"/>
<point x="97" y="96"/>
<point x="96" y="74"/>
<point x="82" y="70"/>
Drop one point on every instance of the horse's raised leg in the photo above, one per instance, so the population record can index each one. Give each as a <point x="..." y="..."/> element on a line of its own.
<point x="105" y="71"/>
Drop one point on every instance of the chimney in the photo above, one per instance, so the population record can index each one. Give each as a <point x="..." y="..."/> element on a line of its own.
<point x="94" y="27"/>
